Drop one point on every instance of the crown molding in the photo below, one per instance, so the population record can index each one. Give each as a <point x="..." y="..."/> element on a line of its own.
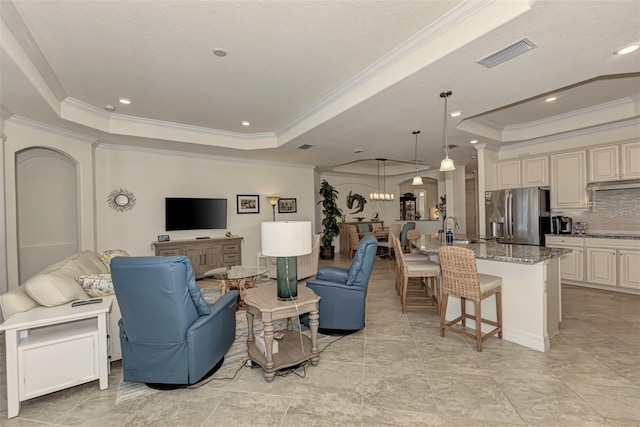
<point x="176" y="153"/>
<point x="23" y="121"/>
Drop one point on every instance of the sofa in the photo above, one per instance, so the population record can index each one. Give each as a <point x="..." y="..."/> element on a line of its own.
<point x="307" y="265"/>
<point x="56" y="285"/>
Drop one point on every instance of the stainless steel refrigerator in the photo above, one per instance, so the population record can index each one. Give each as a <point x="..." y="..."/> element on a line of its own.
<point x="519" y="216"/>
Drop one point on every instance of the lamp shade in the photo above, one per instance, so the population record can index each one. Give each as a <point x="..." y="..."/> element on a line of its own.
<point x="286" y="238"/>
<point x="446" y="165"/>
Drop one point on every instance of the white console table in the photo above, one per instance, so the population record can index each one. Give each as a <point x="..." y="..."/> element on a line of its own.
<point x="53" y="348"/>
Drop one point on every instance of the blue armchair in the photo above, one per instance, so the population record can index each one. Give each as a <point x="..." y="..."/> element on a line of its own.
<point x="169" y="335"/>
<point x="343" y="292"/>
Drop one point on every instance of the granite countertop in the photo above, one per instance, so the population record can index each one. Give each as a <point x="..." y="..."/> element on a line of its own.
<point x="600" y="236"/>
<point x="492" y="251"/>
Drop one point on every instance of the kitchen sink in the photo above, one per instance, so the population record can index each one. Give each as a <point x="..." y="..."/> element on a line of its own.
<point x="464" y="241"/>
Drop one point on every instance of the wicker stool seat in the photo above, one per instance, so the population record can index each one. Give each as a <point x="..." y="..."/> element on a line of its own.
<point x="461" y="278"/>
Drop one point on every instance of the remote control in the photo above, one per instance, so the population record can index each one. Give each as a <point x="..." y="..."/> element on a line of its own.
<point x="86" y="301"/>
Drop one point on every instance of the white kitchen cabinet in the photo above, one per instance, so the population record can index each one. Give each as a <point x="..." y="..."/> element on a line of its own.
<point x="568" y="181"/>
<point x="529" y="172"/>
<point x="630" y="160"/>
<point x="535" y="172"/>
<point x="629" y="269"/>
<point x="602" y="266"/>
<point x="603" y="164"/>
<point x="613" y="262"/>
<point x="614" y="162"/>
<point x="509" y="174"/>
<point x="572" y="263"/>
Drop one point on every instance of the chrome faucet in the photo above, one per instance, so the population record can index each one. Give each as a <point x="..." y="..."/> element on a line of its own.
<point x="455" y="223"/>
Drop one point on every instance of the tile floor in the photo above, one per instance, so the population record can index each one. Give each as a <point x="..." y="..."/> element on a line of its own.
<point x="399" y="372"/>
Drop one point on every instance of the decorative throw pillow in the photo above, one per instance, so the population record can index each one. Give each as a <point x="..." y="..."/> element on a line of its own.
<point x="96" y="285"/>
<point x="106" y="256"/>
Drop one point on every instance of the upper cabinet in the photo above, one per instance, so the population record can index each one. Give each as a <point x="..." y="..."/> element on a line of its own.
<point x="630" y="163"/>
<point x="529" y="172"/>
<point x="568" y="180"/>
<point x="614" y="162"/>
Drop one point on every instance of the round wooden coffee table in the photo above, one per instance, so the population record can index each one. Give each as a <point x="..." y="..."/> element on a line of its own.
<point x="240" y="277"/>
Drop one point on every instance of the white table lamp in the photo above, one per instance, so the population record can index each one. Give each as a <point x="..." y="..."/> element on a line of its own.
<point x="285" y="240"/>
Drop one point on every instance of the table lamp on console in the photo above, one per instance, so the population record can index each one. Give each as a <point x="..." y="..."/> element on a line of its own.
<point x="286" y="240"/>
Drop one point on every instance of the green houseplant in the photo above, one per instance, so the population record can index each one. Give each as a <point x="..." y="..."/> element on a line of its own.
<point x="331" y="212"/>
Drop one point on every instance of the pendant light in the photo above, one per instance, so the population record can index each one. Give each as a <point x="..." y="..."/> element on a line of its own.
<point x="447" y="164"/>
<point x="382" y="195"/>
<point x="417" y="180"/>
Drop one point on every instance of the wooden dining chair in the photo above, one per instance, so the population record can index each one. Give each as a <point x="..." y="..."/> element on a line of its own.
<point x="354" y="239"/>
<point x="387" y="244"/>
<point x="461" y="278"/>
<point x="429" y="287"/>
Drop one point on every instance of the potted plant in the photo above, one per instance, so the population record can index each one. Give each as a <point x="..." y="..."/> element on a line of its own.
<point x="331" y="212"/>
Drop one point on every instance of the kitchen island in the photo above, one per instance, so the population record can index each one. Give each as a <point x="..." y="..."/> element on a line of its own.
<point x="531" y="297"/>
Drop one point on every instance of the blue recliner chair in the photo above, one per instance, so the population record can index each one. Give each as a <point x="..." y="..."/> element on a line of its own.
<point x="169" y="335"/>
<point x="404" y="241"/>
<point x="343" y="292"/>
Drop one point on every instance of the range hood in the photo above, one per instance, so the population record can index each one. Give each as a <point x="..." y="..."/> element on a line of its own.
<point x="613" y="185"/>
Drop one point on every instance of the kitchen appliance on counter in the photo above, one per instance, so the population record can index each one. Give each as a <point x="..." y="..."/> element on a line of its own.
<point x="561" y="225"/>
<point x="519" y="216"/>
<point x="580" y="228"/>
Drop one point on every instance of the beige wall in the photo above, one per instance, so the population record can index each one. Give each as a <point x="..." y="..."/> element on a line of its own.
<point x="47" y="209"/>
<point x="23" y="134"/>
<point x="152" y="175"/>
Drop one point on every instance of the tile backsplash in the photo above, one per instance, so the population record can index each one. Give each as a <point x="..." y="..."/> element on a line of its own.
<point x="612" y="211"/>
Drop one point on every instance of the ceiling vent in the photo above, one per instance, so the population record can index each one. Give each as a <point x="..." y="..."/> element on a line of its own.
<point x="305" y="146"/>
<point x="509" y="52"/>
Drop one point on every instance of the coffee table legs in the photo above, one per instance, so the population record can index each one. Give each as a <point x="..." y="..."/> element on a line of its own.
<point x="241" y="285"/>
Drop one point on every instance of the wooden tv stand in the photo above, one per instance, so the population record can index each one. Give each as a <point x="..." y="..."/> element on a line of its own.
<point x="205" y="254"/>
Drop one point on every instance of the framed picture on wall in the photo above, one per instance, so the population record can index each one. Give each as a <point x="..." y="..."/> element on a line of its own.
<point x="248" y="203"/>
<point x="287" y="206"/>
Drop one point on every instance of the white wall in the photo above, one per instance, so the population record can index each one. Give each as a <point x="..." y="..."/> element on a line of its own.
<point x="152" y="175"/>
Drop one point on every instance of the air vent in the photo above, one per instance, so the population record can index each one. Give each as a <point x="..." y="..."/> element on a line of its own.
<point x="305" y="146"/>
<point x="509" y="52"/>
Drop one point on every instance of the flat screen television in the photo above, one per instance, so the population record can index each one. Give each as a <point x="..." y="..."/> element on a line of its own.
<point x="195" y="214"/>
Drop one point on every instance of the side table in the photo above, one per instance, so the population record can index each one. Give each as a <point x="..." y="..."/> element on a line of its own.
<point x="75" y="338"/>
<point x="294" y="347"/>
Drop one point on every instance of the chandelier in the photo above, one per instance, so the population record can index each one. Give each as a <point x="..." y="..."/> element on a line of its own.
<point x="447" y="164"/>
<point x="417" y="180"/>
<point x="382" y="195"/>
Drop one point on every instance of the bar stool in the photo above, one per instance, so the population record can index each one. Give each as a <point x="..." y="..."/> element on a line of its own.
<point x="426" y="270"/>
<point x="461" y="278"/>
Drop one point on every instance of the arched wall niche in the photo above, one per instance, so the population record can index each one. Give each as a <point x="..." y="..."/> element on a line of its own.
<point x="47" y="208"/>
<point x="426" y="196"/>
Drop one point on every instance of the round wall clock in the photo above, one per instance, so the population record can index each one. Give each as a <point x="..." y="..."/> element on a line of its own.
<point x="121" y="200"/>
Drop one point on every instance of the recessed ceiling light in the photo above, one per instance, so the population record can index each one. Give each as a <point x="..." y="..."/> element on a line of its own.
<point x="245" y="123"/>
<point x="110" y="108"/>
<point x="473" y="141"/>
<point x="627" y="49"/>
<point x="125" y="101"/>
<point x="551" y="99"/>
<point x="219" y="52"/>
<point x="455" y="113"/>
